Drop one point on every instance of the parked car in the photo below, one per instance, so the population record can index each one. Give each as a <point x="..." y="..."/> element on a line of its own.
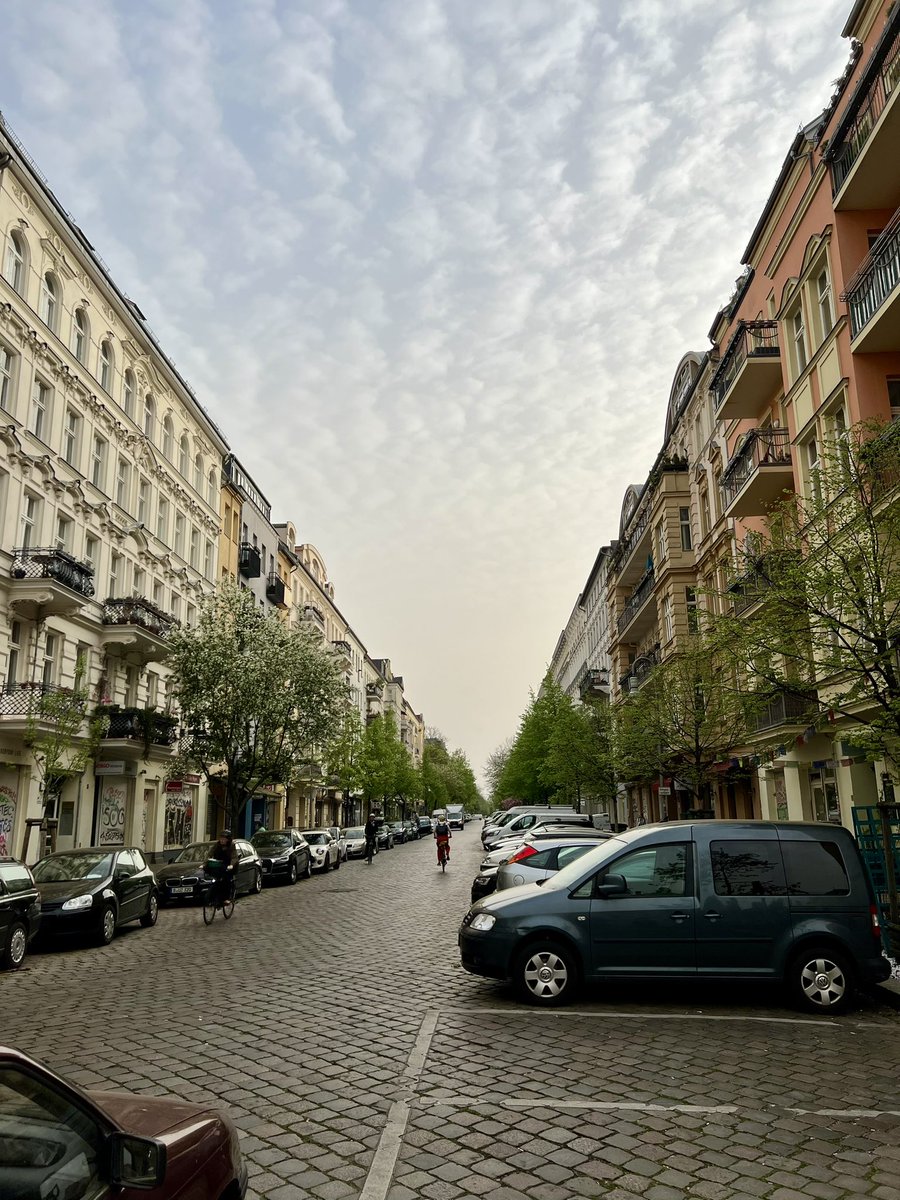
<point x="412" y="830"/>
<point x="338" y="834"/>
<point x="540" y="833"/>
<point x="533" y="861"/>
<point x="184" y="879"/>
<point x="284" y="855"/>
<point x="95" y="890"/>
<point x="61" y="1141"/>
<point x="531" y="821"/>
<point x="20" y="911"/>
<point x="400" y="832"/>
<point x="324" y="849"/>
<point x="356" y="841"/>
<point x="425" y="826"/>
<point x="484" y="883"/>
<point x="782" y="902"/>
<point x="384" y="838"/>
<point x="511" y="822"/>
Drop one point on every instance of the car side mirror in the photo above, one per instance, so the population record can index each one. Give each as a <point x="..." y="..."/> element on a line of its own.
<point x="120" y="873"/>
<point x="612" y="885"/>
<point x="136" y="1162"/>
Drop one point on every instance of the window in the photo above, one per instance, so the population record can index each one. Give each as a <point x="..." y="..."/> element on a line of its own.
<point x="176" y="607"/>
<point x="143" y="512"/>
<point x="123" y="483"/>
<point x="823" y="295"/>
<point x="654" y="871"/>
<point x="704" y="513"/>
<point x="567" y="854"/>
<point x="80" y="335"/>
<point x="893" y="390"/>
<point x="208" y="560"/>
<point x="31" y="521"/>
<point x="49" y="301"/>
<point x="131" y="687"/>
<point x="116" y="564"/>
<point x="83" y="664"/>
<point x="693" y="618"/>
<point x="159" y="594"/>
<point x="137" y="584"/>
<point x="684" y="520"/>
<point x="14" y="262"/>
<point x="15" y="647"/>
<point x="149" y="416"/>
<point x="813" y="469"/>
<point x="106" y="365"/>
<point x="152" y="689"/>
<point x="660" y="540"/>
<point x="51" y="649"/>
<point x="162" y="519"/>
<point x="128" y="394"/>
<point x="745" y="868"/>
<point x="191" y="615"/>
<point x="64" y="527"/>
<point x="70" y="437"/>
<point x="212" y="489"/>
<point x="179" y="534"/>
<point x="183" y="455"/>
<point x="195" y="547"/>
<point x="168" y="444"/>
<point x="39" y="422"/>
<point x="198" y="474"/>
<point x="91" y="550"/>
<point x="668" y="621"/>
<point x="798" y="337"/>
<point x="98" y="462"/>
<point x="814" y="869"/>
<point x="6" y="379"/>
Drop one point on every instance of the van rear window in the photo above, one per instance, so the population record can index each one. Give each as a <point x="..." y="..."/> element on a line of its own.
<point x="744" y="868"/>
<point x="815" y="869"/>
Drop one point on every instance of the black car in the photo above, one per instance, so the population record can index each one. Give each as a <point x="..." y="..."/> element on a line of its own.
<point x="484" y="883"/>
<point x="95" y="890"/>
<point x="185" y="879"/>
<point x="284" y="855"/>
<point x="425" y="826"/>
<point x="20" y="911"/>
<point x="384" y="837"/>
<point x="400" y="832"/>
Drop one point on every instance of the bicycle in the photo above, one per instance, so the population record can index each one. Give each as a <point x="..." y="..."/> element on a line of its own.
<point x="371" y="851"/>
<point x="443" y="854"/>
<point x="219" y="896"/>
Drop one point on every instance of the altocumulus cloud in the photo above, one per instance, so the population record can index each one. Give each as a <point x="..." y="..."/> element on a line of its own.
<point x="431" y="266"/>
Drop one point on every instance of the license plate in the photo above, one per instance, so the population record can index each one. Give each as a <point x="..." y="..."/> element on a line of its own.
<point x="266" y="869"/>
<point x="182" y="891"/>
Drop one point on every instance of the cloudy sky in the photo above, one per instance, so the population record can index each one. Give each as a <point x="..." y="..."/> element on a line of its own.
<point x="430" y="264"/>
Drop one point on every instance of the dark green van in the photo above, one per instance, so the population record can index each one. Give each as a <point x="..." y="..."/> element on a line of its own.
<point x="774" y="901"/>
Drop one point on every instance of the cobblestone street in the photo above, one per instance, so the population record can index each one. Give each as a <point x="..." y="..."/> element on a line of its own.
<point x="333" y="1021"/>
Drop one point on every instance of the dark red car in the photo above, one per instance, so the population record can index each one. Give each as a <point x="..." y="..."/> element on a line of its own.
<point x="56" y="1140"/>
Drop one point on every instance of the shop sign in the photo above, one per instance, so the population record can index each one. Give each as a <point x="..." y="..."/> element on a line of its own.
<point x="109" y="766"/>
<point x="112" y="816"/>
<point x="191" y="778"/>
<point x="174" y="785"/>
<point x="665" y="791"/>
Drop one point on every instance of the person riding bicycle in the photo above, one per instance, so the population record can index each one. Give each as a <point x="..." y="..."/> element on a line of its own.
<point x="442" y="836"/>
<point x="226" y="852"/>
<point x="371" y="832"/>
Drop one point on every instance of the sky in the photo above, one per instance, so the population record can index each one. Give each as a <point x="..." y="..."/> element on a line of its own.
<point x="430" y="265"/>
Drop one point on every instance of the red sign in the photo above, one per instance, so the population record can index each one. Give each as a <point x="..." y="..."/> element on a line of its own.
<point x="174" y="785"/>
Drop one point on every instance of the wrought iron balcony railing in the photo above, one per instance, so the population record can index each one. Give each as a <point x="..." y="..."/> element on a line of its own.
<point x="135" y="610"/>
<point x="877" y="277"/>
<point x="761" y="448"/>
<point x="636" y="600"/>
<point x="33" y="699"/>
<point x="752" y="339"/>
<point x="52" y="563"/>
<point x="784" y="707"/>
<point x="141" y="724"/>
<point x="312" y="612"/>
<point x="851" y="137"/>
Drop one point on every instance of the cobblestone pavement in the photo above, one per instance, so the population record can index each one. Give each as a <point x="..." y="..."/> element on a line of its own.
<point x="359" y="1060"/>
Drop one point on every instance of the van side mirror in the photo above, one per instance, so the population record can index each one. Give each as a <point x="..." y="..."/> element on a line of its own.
<point x="136" y="1162"/>
<point x="612" y="885"/>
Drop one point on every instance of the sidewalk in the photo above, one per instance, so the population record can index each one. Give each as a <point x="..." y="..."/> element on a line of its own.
<point x="888" y="992"/>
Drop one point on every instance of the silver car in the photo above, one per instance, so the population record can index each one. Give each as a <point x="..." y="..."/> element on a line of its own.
<point x="534" y="861"/>
<point x="356" y="841"/>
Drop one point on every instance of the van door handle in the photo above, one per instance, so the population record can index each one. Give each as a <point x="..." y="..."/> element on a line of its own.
<point x="679" y="916"/>
<point x="712" y="916"/>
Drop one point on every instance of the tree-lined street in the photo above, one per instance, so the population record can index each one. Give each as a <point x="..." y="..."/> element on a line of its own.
<point x="333" y="1021"/>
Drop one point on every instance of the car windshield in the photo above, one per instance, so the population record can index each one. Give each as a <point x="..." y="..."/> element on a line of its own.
<point x="196" y="852"/>
<point x="583" y="866"/>
<point x="315" y="839"/>
<point x="62" y="868"/>
<point x="16" y="877"/>
<point x="272" y="841"/>
<point x="356" y="833"/>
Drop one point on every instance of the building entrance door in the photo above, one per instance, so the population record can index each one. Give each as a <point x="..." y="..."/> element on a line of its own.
<point x="824" y="794"/>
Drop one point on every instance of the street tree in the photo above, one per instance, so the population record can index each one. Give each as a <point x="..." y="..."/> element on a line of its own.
<point x="447" y="777"/>
<point x="258" y="697"/>
<point x="381" y="762"/>
<point x="495" y="766"/>
<point x="580" y="764"/>
<point x="345" y="752"/>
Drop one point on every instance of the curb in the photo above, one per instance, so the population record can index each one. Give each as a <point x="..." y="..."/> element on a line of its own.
<point x="888" y="992"/>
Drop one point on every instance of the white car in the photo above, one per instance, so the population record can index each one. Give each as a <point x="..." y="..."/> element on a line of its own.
<point x="341" y="839"/>
<point x="325" y="851"/>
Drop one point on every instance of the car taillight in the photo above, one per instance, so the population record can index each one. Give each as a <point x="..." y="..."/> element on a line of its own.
<point x="525" y="852"/>
<point x="876" y="924"/>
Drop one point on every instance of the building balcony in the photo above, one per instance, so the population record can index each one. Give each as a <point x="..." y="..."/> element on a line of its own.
<point x="865" y="149"/>
<point x="750" y="371"/>
<point x="747" y="590"/>
<point x="758" y="475"/>
<point x="594" y="683"/>
<point x="275" y="590"/>
<point x="343" y="653"/>
<point x="638" y="616"/>
<point x="313" y="613"/>
<point x="136" y="628"/>
<point x="46" y="582"/>
<point x="249" y="562"/>
<point x="26" y="706"/>
<point x="873" y="296"/>
<point x="138" y="732"/>
<point x="784" y="707"/>
<point x="640" y="671"/>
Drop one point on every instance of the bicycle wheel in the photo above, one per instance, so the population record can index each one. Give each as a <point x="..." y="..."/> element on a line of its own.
<point x="209" y="910"/>
<point x="227" y="908"/>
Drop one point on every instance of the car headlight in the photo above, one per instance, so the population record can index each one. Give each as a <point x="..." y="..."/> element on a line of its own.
<point x="77" y="903"/>
<point x="483" y="922"/>
<point x="281" y="859"/>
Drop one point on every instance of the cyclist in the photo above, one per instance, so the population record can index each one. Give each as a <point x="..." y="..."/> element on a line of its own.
<point x="371" y="832"/>
<point x="442" y="836"/>
<point x="226" y="852"/>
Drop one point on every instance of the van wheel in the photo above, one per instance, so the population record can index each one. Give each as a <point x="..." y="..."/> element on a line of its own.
<point x="821" y="980"/>
<point x="546" y="973"/>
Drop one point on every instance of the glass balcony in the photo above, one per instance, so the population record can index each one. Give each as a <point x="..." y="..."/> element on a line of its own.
<point x="759" y="473"/>
<point x="750" y="371"/>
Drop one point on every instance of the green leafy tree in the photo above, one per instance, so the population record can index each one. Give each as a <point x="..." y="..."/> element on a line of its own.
<point x="380" y="762"/>
<point x="580" y="758"/>
<point x="259" y="696"/>
<point x="494" y="768"/>
<point x="447" y="777"/>
<point x="345" y="752"/>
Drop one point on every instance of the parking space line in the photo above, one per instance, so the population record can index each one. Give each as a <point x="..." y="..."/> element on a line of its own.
<point x="592" y="1105"/>
<point x="633" y="1016"/>
<point x="381" y="1172"/>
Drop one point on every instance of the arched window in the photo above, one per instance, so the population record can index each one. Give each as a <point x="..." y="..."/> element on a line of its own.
<point x="149" y="416"/>
<point x="198" y="474"/>
<point x="128" y="394"/>
<point x="106" y="365"/>
<point x="80" y="335"/>
<point x="49" y="307"/>
<point x="212" y="493"/>
<point x="14" y="262"/>
<point x="168" y="446"/>
<point x="183" y="455"/>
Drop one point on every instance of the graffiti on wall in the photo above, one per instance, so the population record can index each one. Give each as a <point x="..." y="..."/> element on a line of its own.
<point x="7" y="819"/>
<point x="112" y="816"/>
<point x="179" y="819"/>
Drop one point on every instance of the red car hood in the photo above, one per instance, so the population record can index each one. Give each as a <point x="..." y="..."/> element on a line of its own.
<point x="152" y="1116"/>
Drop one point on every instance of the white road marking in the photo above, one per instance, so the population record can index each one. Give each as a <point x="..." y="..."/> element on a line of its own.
<point x="848" y="1113"/>
<point x="381" y="1172"/>
<point x="552" y="1102"/>
<point x="633" y="1016"/>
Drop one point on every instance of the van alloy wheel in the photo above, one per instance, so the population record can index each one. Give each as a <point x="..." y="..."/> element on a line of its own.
<point x="546" y="974"/>
<point x="822" y="980"/>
